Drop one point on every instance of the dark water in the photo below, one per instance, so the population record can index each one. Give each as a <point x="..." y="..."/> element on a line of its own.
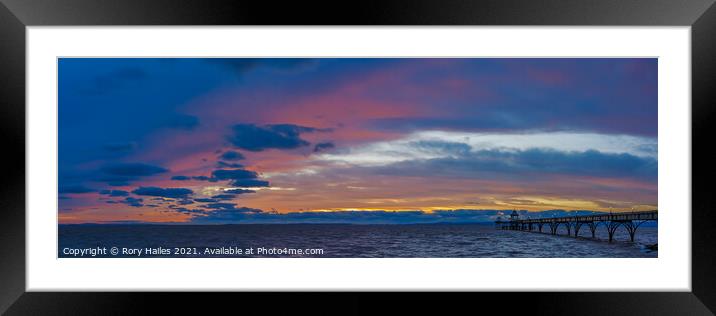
<point x="351" y="241"/>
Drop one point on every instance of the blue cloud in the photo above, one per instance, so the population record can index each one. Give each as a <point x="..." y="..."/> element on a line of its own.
<point x="132" y="169"/>
<point x="224" y="174"/>
<point x="77" y="189"/>
<point x="238" y="178"/>
<point x="163" y="192"/>
<point x="222" y="206"/>
<point x="185" y="210"/>
<point x="224" y="197"/>
<point x="528" y="163"/>
<point x="232" y="155"/>
<point x="205" y="200"/>
<point x="244" y="183"/>
<point x="238" y="191"/>
<point x="323" y="146"/>
<point x="223" y="214"/>
<point x="114" y="192"/>
<point x="281" y="136"/>
<point x="133" y="202"/>
<point x="223" y="164"/>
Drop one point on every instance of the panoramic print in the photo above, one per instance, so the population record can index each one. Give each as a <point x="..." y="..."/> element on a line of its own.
<point x="357" y="157"/>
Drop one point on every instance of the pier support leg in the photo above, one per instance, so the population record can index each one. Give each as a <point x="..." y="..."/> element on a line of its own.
<point x="553" y="228"/>
<point x="631" y="228"/>
<point x="577" y="226"/>
<point x="569" y="228"/>
<point x="611" y="228"/>
<point x="593" y="228"/>
<point x="540" y="227"/>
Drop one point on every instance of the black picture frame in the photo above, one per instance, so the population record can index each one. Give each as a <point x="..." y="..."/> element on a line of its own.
<point x="16" y="15"/>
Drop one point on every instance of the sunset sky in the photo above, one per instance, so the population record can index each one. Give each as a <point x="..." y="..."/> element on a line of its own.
<point x="227" y="140"/>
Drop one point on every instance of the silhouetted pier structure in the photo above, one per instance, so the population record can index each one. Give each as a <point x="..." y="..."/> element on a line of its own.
<point x="630" y="220"/>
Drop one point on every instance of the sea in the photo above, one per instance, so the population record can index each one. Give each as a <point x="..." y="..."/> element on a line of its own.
<point x="479" y="240"/>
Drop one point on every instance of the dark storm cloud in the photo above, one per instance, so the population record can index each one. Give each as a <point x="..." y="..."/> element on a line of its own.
<point x="181" y="178"/>
<point x="323" y="146"/>
<point x="232" y="155"/>
<point x="529" y="163"/>
<point x="76" y="189"/>
<point x="182" y="121"/>
<point x="114" y="192"/>
<point x="132" y="169"/>
<point x="588" y="162"/>
<point x="163" y="192"/>
<point x="280" y="136"/>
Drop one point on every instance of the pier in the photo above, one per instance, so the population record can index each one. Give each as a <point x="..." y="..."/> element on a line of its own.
<point x="611" y="221"/>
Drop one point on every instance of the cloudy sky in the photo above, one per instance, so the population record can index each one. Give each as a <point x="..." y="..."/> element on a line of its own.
<point x="225" y="140"/>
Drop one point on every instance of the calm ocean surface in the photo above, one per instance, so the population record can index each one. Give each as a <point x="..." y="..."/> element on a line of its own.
<point x="344" y="240"/>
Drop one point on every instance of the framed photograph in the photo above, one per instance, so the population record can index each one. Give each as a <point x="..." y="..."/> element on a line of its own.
<point x="539" y="151"/>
